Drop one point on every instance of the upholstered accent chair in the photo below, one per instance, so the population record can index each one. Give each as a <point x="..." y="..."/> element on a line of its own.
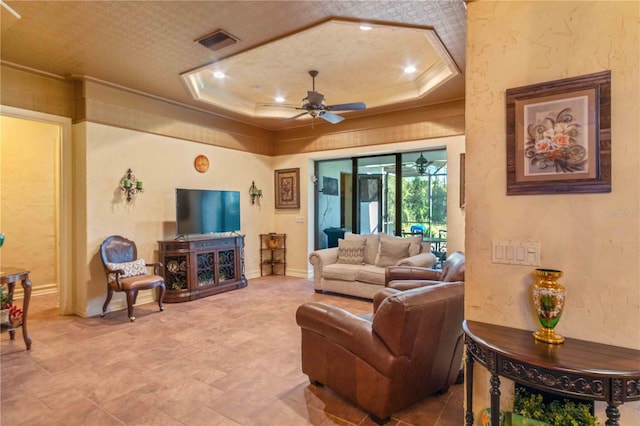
<point x="410" y="348"/>
<point x="407" y="277"/>
<point x="126" y="273"/>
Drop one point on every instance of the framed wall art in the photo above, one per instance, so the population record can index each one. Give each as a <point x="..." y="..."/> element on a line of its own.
<point x="329" y="185"/>
<point x="559" y="136"/>
<point x="287" y="185"/>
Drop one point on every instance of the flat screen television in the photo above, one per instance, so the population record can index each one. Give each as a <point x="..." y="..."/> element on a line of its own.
<point x="203" y="211"/>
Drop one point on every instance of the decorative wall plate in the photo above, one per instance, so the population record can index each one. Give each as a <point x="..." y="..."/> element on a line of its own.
<point x="201" y="163"/>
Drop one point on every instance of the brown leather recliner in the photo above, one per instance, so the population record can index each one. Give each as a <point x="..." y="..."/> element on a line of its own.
<point x="410" y="348"/>
<point x="407" y="277"/>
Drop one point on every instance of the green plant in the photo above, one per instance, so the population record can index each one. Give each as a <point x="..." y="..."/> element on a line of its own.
<point x="556" y="413"/>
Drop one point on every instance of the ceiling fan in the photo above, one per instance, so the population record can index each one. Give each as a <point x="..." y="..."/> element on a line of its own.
<point x="314" y="105"/>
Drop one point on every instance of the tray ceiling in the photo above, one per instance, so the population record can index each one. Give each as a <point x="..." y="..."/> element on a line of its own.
<point x="151" y="47"/>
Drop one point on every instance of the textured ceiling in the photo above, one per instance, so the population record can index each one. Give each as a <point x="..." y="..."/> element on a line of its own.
<point x="147" y="45"/>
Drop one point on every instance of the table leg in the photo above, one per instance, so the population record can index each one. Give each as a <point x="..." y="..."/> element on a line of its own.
<point x="468" y="377"/>
<point x="10" y="290"/>
<point x="26" y="285"/>
<point x="613" y="415"/>
<point x="495" y="400"/>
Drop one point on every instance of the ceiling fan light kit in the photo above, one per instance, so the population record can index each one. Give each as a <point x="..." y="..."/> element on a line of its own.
<point x="315" y="105"/>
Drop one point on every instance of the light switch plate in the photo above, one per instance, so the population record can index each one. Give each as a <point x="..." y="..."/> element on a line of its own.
<point x="516" y="253"/>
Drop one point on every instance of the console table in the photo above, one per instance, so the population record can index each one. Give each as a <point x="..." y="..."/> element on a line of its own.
<point x="576" y="368"/>
<point x="202" y="266"/>
<point x="11" y="276"/>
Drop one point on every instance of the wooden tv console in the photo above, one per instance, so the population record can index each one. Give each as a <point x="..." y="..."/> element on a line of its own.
<point x="199" y="267"/>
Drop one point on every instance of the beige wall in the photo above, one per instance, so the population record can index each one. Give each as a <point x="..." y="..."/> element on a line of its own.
<point x="593" y="238"/>
<point x="28" y="198"/>
<point x="103" y="155"/>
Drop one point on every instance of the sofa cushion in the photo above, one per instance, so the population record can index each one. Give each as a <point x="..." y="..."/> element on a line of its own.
<point x="341" y="271"/>
<point x="371" y="245"/>
<point x="392" y="250"/>
<point x="351" y="251"/>
<point x="370" y="274"/>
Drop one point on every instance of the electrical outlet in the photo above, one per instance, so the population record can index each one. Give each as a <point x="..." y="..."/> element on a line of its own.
<point x="299" y="219"/>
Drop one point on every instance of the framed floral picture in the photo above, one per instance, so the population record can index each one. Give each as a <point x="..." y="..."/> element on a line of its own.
<point x="287" y="186"/>
<point x="559" y="136"/>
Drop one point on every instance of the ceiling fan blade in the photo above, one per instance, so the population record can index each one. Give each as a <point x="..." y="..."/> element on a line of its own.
<point x="347" y="107"/>
<point x="331" y="118"/>
<point x="296" y="116"/>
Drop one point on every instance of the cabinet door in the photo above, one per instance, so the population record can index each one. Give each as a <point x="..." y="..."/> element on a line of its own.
<point x="227" y="269"/>
<point x="176" y="271"/>
<point x="205" y="269"/>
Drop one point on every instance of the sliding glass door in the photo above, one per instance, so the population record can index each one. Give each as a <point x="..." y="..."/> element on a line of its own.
<point x="424" y="193"/>
<point x="376" y="192"/>
<point x="393" y="194"/>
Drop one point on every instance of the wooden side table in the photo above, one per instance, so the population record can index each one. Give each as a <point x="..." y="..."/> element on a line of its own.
<point x="576" y="368"/>
<point x="10" y="276"/>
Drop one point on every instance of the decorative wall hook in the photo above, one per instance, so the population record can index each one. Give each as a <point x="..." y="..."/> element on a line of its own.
<point x="255" y="193"/>
<point x="130" y="185"/>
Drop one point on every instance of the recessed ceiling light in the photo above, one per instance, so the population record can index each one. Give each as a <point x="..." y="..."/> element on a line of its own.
<point x="365" y="27"/>
<point x="218" y="74"/>
<point x="279" y="99"/>
<point x="410" y="69"/>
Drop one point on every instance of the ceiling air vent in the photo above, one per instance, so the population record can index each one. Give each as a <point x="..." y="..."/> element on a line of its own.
<point x="217" y="40"/>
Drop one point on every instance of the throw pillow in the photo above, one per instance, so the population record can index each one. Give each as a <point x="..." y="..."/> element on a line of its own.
<point x="425" y="248"/>
<point x="131" y="269"/>
<point x="391" y="251"/>
<point x="351" y="252"/>
<point x="415" y="241"/>
<point x="372" y="241"/>
<point x="415" y="246"/>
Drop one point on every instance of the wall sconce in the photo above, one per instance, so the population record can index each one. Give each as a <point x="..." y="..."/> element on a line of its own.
<point x="255" y="193"/>
<point x="130" y="185"/>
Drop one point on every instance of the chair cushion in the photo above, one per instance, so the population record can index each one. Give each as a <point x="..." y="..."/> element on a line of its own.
<point x="141" y="282"/>
<point x="136" y="267"/>
<point x="351" y="252"/>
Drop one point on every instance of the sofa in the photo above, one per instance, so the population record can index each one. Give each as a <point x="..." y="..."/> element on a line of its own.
<point x="409" y="348"/>
<point x="357" y="266"/>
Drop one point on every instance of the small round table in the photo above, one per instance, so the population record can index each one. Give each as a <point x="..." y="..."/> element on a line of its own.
<point x="10" y="276"/>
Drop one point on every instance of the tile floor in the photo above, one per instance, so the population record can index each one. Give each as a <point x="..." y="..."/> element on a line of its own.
<point x="229" y="359"/>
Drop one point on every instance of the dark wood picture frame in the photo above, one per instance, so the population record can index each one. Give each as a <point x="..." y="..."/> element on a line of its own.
<point x="559" y="136"/>
<point x="287" y="188"/>
<point x="463" y="199"/>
